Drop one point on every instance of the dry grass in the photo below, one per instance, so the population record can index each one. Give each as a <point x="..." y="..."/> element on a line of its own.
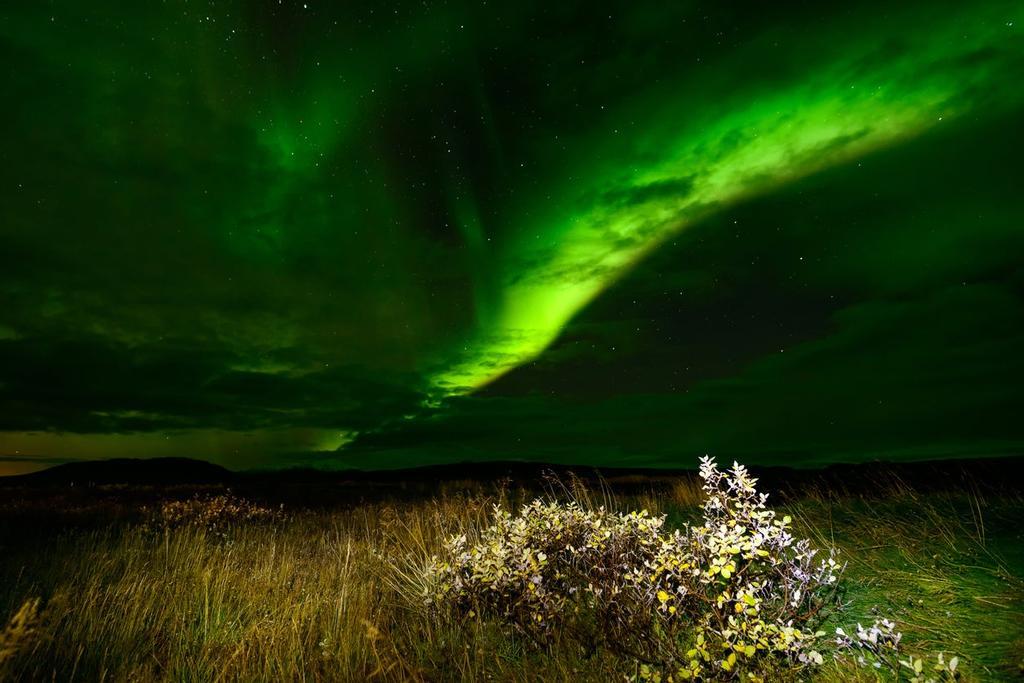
<point x="319" y="595"/>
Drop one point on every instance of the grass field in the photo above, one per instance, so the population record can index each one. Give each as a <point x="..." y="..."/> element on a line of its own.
<point x="131" y="589"/>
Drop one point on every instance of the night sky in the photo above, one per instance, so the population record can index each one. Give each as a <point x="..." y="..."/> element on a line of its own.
<point x="275" y="234"/>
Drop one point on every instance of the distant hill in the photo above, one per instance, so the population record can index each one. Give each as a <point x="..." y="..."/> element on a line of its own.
<point x="126" y="471"/>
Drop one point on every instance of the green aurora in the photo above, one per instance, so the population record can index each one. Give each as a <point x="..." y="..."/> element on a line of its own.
<point x="270" y="234"/>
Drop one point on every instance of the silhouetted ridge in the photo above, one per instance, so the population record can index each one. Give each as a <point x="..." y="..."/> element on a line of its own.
<point x="128" y="471"/>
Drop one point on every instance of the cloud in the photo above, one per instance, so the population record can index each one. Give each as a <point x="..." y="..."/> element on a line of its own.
<point x="40" y="459"/>
<point x="92" y="384"/>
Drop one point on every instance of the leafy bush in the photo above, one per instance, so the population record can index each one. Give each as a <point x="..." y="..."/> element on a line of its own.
<point x="878" y="646"/>
<point x="736" y="596"/>
<point x="214" y="513"/>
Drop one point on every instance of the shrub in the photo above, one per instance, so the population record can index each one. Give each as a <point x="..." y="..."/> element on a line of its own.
<point x="878" y="646"/>
<point x="214" y="513"/>
<point x="736" y="596"/>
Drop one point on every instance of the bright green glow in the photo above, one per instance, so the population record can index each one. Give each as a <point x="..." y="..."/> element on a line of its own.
<point x="304" y="221"/>
<point x="839" y="112"/>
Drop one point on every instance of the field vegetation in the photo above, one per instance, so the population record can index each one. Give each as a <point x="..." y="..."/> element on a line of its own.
<point x="204" y="584"/>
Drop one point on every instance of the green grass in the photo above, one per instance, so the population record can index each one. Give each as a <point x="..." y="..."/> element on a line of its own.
<point x="325" y="594"/>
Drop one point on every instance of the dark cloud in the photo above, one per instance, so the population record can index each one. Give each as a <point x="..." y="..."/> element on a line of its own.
<point x="868" y="388"/>
<point x="89" y="384"/>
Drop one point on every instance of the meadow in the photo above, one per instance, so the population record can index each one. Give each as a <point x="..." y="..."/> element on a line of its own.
<point x="270" y="583"/>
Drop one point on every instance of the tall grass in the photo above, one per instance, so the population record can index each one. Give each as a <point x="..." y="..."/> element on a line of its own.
<point x="323" y="595"/>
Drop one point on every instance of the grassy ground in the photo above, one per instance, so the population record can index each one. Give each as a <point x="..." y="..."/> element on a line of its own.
<point x="324" y="593"/>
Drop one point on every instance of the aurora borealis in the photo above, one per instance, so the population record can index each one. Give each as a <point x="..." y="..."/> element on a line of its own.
<point x="291" y="233"/>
